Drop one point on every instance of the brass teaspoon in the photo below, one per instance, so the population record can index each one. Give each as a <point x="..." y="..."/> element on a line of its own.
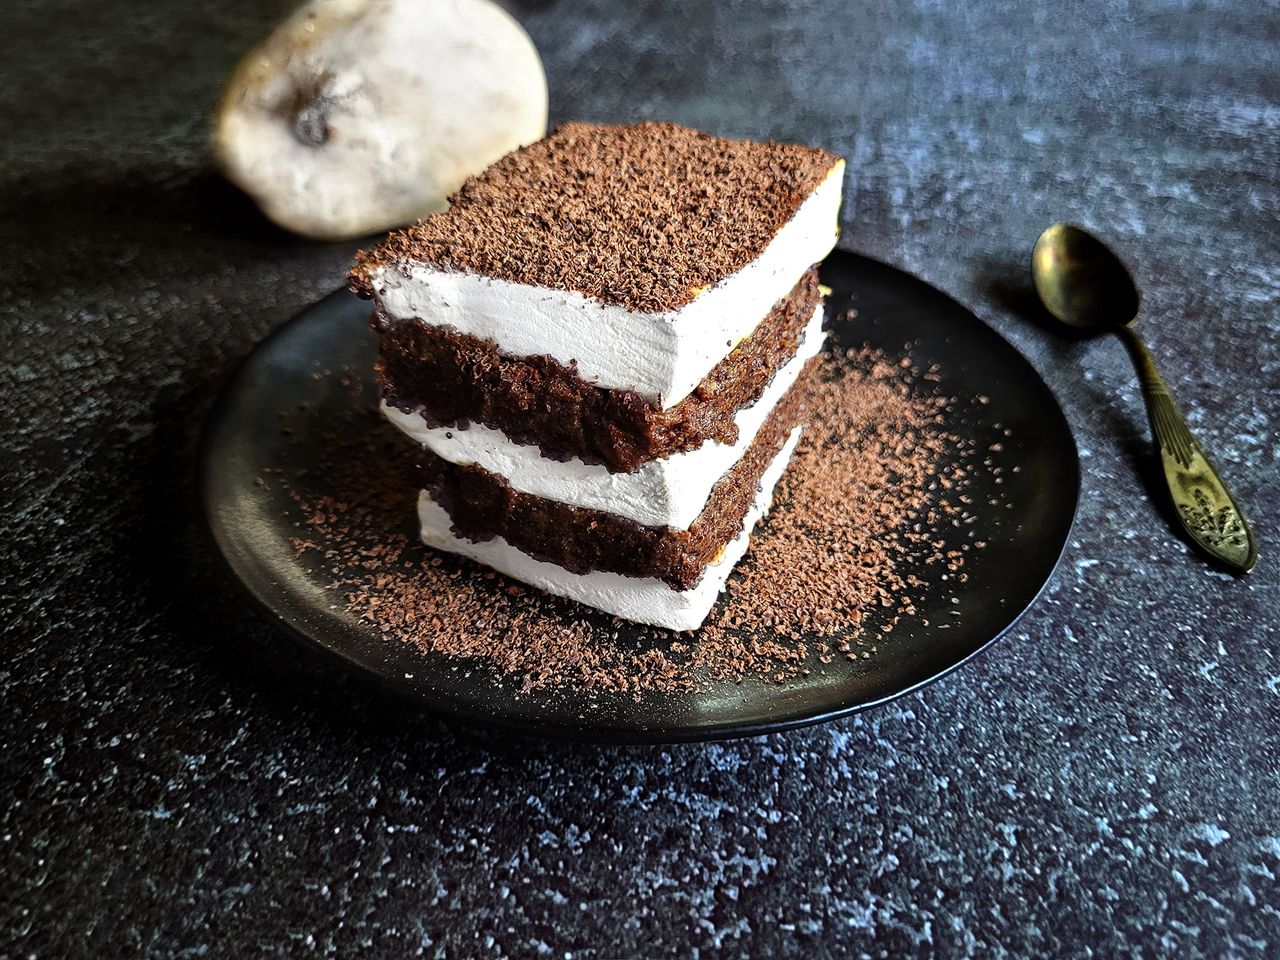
<point x="1086" y="286"/>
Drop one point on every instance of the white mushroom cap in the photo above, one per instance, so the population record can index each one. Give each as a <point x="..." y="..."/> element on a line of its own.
<point x="356" y="116"/>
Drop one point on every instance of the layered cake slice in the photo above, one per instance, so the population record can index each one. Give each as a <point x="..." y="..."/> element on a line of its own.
<point x="601" y="348"/>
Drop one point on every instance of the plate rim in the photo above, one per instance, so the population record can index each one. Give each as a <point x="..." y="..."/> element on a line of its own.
<point x="217" y="418"/>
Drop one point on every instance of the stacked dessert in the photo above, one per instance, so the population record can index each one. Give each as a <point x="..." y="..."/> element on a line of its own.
<point x="601" y="349"/>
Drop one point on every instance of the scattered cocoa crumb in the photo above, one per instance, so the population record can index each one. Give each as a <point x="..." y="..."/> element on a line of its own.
<point x="875" y="486"/>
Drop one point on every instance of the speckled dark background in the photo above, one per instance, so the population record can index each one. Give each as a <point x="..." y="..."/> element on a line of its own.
<point x="175" y="782"/>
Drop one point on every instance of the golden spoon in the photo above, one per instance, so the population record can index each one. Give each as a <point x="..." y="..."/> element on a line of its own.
<point x="1085" y="286"/>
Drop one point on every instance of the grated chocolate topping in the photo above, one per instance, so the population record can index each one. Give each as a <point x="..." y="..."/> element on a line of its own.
<point x="641" y="216"/>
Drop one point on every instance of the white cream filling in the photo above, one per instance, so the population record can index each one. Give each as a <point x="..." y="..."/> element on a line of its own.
<point x="641" y="599"/>
<point x="662" y="493"/>
<point x="661" y="356"/>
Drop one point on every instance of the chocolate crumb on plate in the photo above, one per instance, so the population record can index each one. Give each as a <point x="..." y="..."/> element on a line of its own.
<point x="876" y="488"/>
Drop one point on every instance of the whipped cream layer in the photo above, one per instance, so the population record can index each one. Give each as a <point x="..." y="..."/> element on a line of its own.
<point x="662" y="355"/>
<point x="640" y="599"/>
<point x="670" y="492"/>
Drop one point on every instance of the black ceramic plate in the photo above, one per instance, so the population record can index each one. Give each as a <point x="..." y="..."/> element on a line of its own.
<point x="1025" y="520"/>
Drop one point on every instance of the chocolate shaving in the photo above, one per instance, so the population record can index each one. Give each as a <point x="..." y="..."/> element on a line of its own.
<point x="643" y="217"/>
<point x="876" y="487"/>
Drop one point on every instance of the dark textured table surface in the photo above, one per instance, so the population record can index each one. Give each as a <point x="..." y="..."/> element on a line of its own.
<point x="176" y="782"/>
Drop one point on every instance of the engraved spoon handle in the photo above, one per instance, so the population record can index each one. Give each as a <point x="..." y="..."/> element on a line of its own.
<point x="1204" y="506"/>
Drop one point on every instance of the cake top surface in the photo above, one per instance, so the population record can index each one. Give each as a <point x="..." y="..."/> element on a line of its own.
<point x="640" y="216"/>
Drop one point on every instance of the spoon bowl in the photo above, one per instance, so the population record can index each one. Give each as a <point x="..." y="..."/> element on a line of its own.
<point x="1081" y="282"/>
